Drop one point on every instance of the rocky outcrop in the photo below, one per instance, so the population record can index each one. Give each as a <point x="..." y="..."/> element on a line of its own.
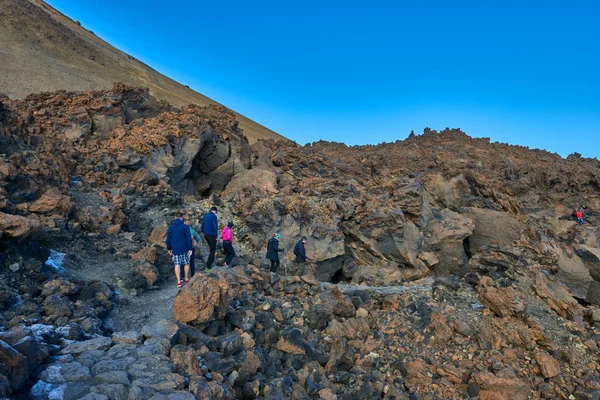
<point x="508" y="309"/>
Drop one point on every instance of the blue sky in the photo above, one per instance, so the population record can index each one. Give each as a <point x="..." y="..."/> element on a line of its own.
<point x="524" y="72"/>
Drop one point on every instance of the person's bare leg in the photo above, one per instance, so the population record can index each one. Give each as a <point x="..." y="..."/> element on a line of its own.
<point x="178" y="273"/>
<point x="187" y="272"/>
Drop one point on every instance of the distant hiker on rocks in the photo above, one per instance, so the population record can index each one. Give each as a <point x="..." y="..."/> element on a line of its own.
<point x="227" y="238"/>
<point x="273" y="251"/>
<point x="180" y="247"/>
<point x="210" y="230"/>
<point x="300" y="253"/>
<point x="196" y="237"/>
<point x="579" y="215"/>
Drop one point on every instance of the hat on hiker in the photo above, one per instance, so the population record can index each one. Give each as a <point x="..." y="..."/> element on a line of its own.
<point x="230" y="224"/>
<point x="277" y="236"/>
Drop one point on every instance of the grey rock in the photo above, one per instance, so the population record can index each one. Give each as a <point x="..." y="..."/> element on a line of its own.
<point x="89" y="358"/>
<point x="118" y="377"/>
<point x="122" y="351"/>
<point x="155" y="346"/>
<point x="164" y="328"/>
<point x="111" y="365"/>
<point x="161" y="382"/>
<point x="113" y="391"/>
<point x="95" y="396"/>
<point x="150" y="367"/>
<point x="61" y="373"/>
<point x="128" y="337"/>
<point x="99" y="343"/>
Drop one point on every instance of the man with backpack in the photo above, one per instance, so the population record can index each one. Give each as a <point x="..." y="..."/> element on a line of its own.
<point x="210" y="229"/>
<point x="273" y="251"/>
<point x="300" y="253"/>
<point x="179" y="245"/>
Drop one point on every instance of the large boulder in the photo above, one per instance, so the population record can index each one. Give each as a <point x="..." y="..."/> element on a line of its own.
<point x="445" y="236"/>
<point x="201" y="300"/>
<point x="492" y="228"/>
<point x="52" y="202"/>
<point x="256" y="180"/>
<point x="573" y="272"/>
<point x="13" y="365"/>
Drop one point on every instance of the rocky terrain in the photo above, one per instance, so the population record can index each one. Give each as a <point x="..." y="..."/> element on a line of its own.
<point x="443" y="267"/>
<point x="44" y="50"/>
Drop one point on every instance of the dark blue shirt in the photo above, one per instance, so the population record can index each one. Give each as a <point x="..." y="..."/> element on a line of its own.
<point x="179" y="239"/>
<point x="300" y="252"/>
<point x="210" y="225"/>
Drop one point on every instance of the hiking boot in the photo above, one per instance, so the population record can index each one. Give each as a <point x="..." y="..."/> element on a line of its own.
<point x="206" y="270"/>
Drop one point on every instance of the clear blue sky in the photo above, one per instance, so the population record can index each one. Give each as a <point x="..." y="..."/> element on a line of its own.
<point x="520" y="72"/>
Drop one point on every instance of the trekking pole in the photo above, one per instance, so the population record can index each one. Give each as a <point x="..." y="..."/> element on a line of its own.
<point x="285" y="263"/>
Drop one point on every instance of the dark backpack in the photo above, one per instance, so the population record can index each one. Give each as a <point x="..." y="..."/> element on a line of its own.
<point x="296" y="250"/>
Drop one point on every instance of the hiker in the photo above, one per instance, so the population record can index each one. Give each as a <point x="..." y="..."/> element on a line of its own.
<point x="227" y="238"/>
<point x="210" y="230"/>
<point x="179" y="246"/>
<point x="579" y="216"/>
<point x="196" y="238"/>
<point x="273" y="251"/>
<point x="300" y="253"/>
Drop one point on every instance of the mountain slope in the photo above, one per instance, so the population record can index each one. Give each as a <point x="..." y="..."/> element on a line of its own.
<point x="43" y="50"/>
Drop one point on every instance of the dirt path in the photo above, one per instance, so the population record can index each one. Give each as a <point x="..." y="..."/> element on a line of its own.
<point x="146" y="309"/>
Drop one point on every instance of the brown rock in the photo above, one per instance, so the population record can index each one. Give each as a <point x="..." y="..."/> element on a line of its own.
<point x="502" y="386"/>
<point x="158" y="236"/>
<point x="492" y="228"/>
<point x="441" y="329"/>
<point x="147" y="254"/>
<point x="145" y="177"/>
<point x="327" y="394"/>
<point x="416" y="375"/>
<point x="198" y="301"/>
<point x="52" y="202"/>
<point x="148" y="272"/>
<point x="114" y="230"/>
<point x="13" y="365"/>
<point x="504" y="301"/>
<point x="16" y="226"/>
<point x="549" y="366"/>
<point x="292" y="342"/>
<point x="463" y="328"/>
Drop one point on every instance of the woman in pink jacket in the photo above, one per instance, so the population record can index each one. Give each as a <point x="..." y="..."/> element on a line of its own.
<point x="227" y="238"/>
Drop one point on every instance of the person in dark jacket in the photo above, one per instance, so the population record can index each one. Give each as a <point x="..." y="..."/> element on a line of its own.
<point x="273" y="251"/>
<point x="195" y="241"/>
<point x="300" y="253"/>
<point x="227" y="238"/>
<point x="210" y="230"/>
<point x="179" y="246"/>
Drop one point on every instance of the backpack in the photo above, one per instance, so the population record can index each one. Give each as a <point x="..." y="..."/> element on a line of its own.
<point x="296" y="250"/>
